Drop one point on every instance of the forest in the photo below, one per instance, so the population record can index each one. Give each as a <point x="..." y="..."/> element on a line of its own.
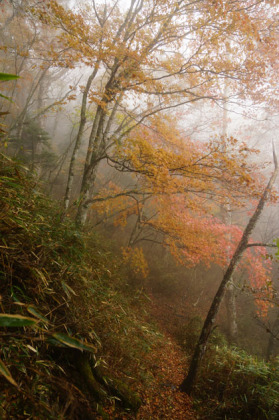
<point x="139" y="206"/>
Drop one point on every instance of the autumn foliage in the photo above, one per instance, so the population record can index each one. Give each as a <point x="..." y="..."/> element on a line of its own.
<point x="129" y="78"/>
<point x="178" y="193"/>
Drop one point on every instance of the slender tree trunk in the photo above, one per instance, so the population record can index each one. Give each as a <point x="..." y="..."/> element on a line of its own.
<point x="87" y="185"/>
<point x="19" y="121"/>
<point x="84" y="204"/>
<point x="79" y="138"/>
<point x="187" y="384"/>
<point x="93" y="145"/>
<point x="230" y="295"/>
<point x="231" y="313"/>
<point x="230" y="290"/>
<point x="90" y="170"/>
<point x="95" y="153"/>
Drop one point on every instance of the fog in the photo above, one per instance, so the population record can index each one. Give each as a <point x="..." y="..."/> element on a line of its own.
<point x="42" y="129"/>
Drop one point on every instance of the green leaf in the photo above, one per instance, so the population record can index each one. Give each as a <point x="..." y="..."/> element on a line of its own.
<point x="7" y="76"/>
<point x="73" y="342"/>
<point x="5" y="372"/>
<point x="41" y="276"/>
<point x="17" y="293"/>
<point x="37" y="314"/>
<point x="5" y="97"/>
<point x="54" y="342"/>
<point x="8" y="320"/>
<point x="68" y="289"/>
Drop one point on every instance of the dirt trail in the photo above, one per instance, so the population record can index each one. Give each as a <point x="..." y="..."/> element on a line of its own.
<point x="166" y="367"/>
<point x="163" y="400"/>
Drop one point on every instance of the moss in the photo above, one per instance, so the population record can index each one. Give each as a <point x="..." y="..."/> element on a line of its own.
<point x="129" y="399"/>
<point x="96" y="381"/>
<point x="93" y="386"/>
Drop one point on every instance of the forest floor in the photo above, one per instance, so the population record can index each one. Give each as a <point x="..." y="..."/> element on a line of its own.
<point x="164" y="400"/>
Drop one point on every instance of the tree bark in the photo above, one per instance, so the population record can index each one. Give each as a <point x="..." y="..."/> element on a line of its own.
<point x="231" y="313"/>
<point x="187" y="384"/>
<point x="90" y="171"/>
<point x="230" y="295"/>
<point x="79" y="137"/>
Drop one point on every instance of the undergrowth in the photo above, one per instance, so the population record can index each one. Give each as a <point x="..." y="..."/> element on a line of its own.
<point x="65" y="293"/>
<point x="233" y="385"/>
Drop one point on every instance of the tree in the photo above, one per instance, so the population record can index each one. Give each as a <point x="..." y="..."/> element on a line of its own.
<point x="33" y="146"/>
<point x="187" y="384"/>
<point x="175" y="185"/>
<point x="155" y="57"/>
<point x="24" y="41"/>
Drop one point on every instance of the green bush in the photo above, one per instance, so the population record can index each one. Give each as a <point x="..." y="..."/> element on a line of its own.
<point x="235" y="385"/>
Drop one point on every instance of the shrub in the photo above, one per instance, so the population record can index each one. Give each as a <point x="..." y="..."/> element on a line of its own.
<point x="235" y="385"/>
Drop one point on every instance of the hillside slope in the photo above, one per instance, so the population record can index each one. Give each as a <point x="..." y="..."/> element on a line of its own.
<point x="76" y="340"/>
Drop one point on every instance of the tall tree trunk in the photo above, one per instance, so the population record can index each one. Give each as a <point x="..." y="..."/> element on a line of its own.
<point x="230" y="290"/>
<point x="19" y="121"/>
<point x="96" y="147"/>
<point x="95" y="153"/>
<point x="78" y="138"/>
<point x="231" y="313"/>
<point x="84" y="204"/>
<point x="187" y="384"/>
<point x="230" y="295"/>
